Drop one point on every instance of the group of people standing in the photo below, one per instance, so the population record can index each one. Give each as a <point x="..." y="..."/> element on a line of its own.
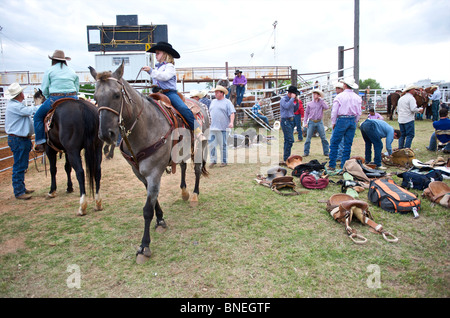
<point x="345" y="114"/>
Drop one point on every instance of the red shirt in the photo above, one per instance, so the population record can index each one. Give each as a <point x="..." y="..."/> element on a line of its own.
<point x="300" y="110"/>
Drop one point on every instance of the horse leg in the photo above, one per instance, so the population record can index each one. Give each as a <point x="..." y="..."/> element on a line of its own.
<point x="51" y="155"/>
<point x="184" y="192"/>
<point x="143" y="254"/>
<point x="159" y="216"/>
<point x="75" y="161"/>
<point x="68" y="169"/>
<point x="98" y="176"/>
<point x="196" y="192"/>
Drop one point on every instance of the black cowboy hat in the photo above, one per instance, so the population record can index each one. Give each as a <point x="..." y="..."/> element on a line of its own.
<point x="165" y="47"/>
<point x="237" y="72"/>
<point x="293" y="89"/>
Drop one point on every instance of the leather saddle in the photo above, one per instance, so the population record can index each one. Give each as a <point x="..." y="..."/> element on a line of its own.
<point x="343" y="207"/>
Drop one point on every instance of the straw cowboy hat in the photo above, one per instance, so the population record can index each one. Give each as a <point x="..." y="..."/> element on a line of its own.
<point x="293" y="161"/>
<point x="410" y="87"/>
<point x="13" y="90"/>
<point x="350" y="82"/>
<point x="222" y="89"/>
<point x="59" y="55"/>
<point x="196" y="93"/>
<point x="318" y="91"/>
<point x="165" y="47"/>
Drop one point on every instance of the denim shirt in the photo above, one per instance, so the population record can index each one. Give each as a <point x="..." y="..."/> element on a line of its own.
<point x="18" y="118"/>
<point x="286" y="107"/>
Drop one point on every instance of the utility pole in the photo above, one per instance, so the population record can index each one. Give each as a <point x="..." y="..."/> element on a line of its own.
<point x="340" y="61"/>
<point x="356" y="44"/>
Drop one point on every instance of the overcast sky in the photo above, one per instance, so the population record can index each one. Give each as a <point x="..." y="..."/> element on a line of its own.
<point x="401" y="41"/>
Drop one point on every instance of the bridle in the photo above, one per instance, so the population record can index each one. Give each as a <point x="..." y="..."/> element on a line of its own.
<point x="123" y="131"/>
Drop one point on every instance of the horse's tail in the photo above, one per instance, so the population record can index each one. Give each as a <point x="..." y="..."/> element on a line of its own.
<point x="92" y="144"/>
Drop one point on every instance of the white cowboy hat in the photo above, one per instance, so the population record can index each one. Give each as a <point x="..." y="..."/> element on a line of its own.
<point x="222" y="89"/>
<point x="410" y="87"/>
<point x="339" y="85"/>
<point x="350" y="82"/>
<point x="59" y="55"/>
<point x="196" y="93"/>
<point x="318" y="91"/>
<point x="13" y="90"/>
<point x="276" y="125"/>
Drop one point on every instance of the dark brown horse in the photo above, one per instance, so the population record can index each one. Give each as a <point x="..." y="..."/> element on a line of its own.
<point x="74" y="127"/>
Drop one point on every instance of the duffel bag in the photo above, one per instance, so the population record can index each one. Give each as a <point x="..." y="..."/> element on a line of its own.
<point x="419" y="181"/>
<point x="313" y="180"/>
<point x="392" y="198"/>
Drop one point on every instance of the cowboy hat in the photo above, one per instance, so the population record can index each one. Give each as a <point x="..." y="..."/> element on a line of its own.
<point x="59" y="55"/>
<point x="196" y="93"/>
<point x="237" y="72"/>
<point x="165" y="47"/>
<point x="350" y="82"/>
<point x="293" y="89"/>
<point x="13" y="90"/>
<point x="222" y="89"/>
<point x="318" y="91"/>
<point x="274" y="172"/>
<point x="410" y="87"/>
<point x="339" y="85"/>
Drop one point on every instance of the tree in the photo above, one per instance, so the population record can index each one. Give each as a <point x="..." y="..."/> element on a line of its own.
<point x="369" y="82"/>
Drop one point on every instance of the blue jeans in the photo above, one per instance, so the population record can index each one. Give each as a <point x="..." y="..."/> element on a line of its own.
<point x="240" y="90"/>
<point x="263" y="118"/>
<point x="372" y="137"/>
<point x="179" y="105"/>
<point x="39" y="116"/>
<point x="20" y="147"/>
<point x="298" y="124"/>
<point x="433" y="143"/>
<point x="343" y="130"/>
<point x="312" y="127"/>
<point x="218" y="138"/>
<point x="435" y="109"/>
<point x="287" y="126"/>
<point x="340" y="148"/>
<point x="408" y="133"/>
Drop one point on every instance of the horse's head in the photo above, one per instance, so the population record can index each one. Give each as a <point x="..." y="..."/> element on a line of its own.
<point x="38" y="97"/>
<point x="108" y="94"/>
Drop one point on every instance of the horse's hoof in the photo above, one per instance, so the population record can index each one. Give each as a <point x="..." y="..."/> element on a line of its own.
<point x="160" y="226"/>
<point x="143" y="255"/>
<point x="98" y="206"/>
<point x="51" y="195"/>
<point x="194" y="200"/>
<point x="69" y="190"/>
<point x="184" y="194"/>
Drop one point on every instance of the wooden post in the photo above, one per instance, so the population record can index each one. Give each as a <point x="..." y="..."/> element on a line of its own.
<point x="294" y="78"/>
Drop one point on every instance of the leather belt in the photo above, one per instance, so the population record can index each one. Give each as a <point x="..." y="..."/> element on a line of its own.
<point x="26" y="137"/>
<point x="346" y="116"/>
<point x="316" y="121"/>
<point x="288" y="118"/>
<point x="63" y="94"/>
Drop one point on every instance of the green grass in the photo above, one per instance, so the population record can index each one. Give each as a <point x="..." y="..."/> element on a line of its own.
<point x="243" y="240"/>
